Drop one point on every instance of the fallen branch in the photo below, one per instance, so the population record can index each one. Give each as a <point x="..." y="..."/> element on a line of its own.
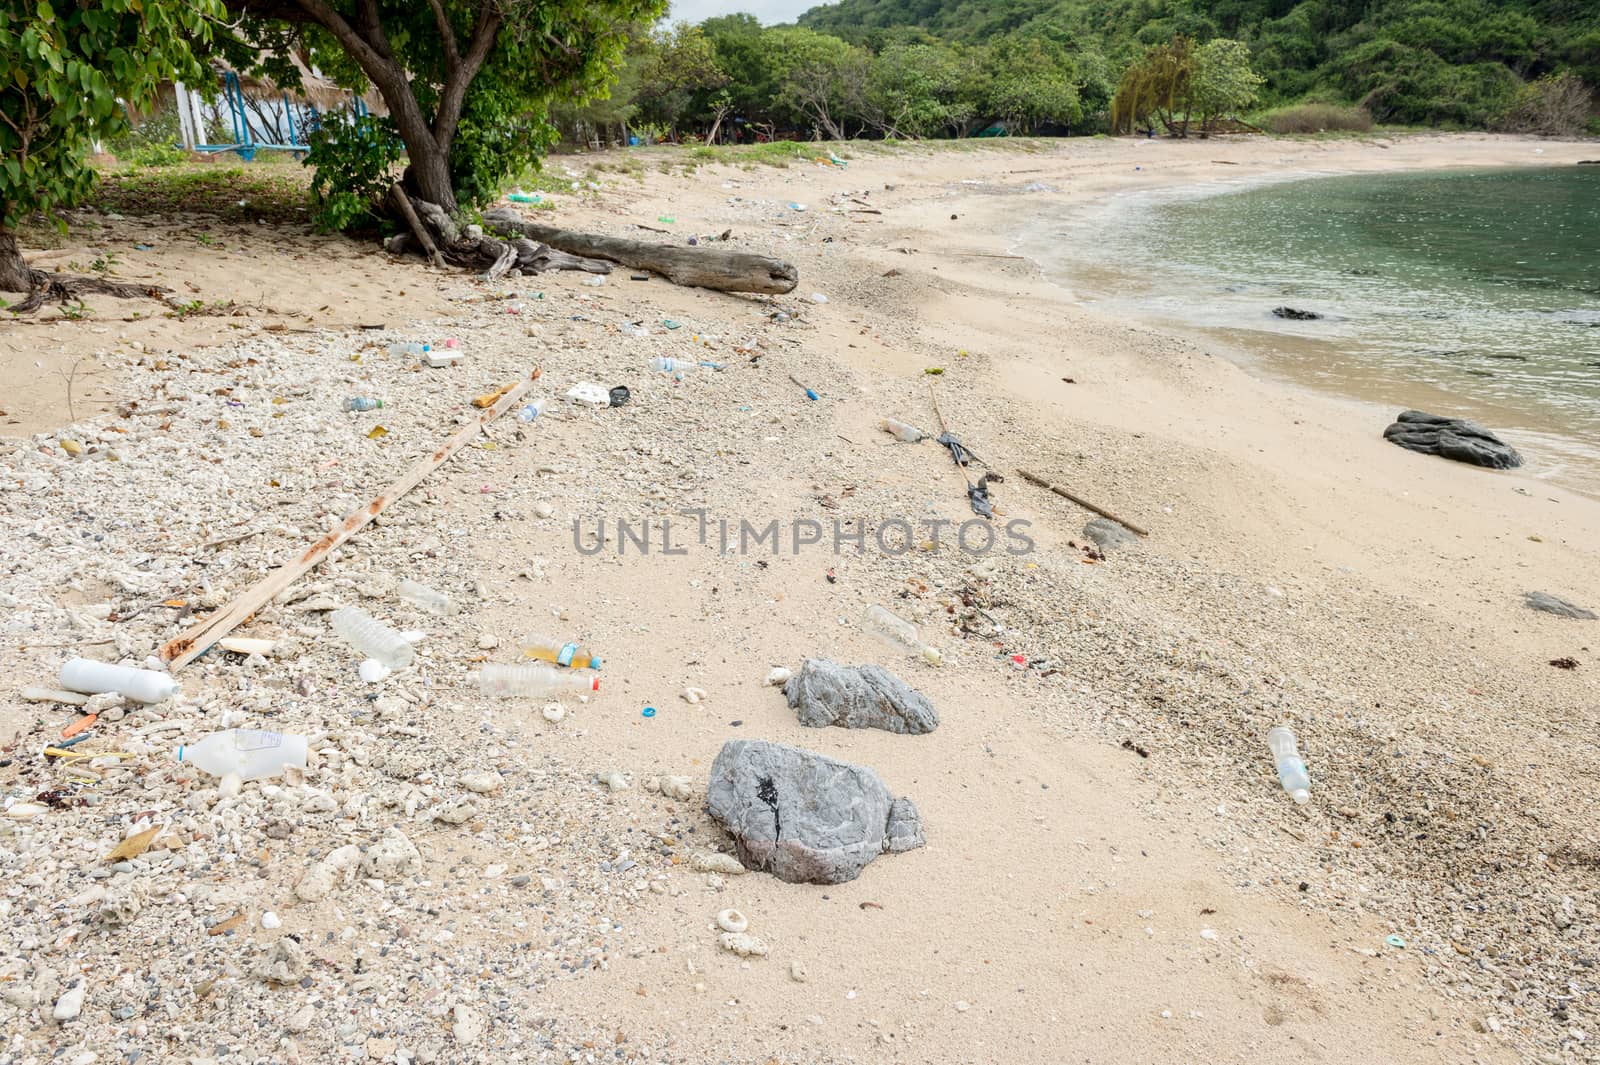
<point x="64" y="288"/>
<point x="1084" y="503"/>
<point x="715" y="268"/>
<point x="402" y="202"/>
<point x="194" y="641"/>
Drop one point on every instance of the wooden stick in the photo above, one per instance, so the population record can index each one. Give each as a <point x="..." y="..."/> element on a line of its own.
<point x="1084" y="503"/>
<point x="193" y="642"/>
<point x="409" y="213"/>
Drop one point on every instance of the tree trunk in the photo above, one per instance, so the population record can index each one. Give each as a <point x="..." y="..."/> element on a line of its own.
<point x="15" y="276"/>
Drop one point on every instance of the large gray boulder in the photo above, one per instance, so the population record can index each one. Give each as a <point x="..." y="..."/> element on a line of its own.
<point x="825" y="693"/>
<point x="804" y="817"/>
<point x="1452" y="438"/>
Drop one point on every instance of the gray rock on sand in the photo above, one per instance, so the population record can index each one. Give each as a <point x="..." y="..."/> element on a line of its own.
<point x="804" y="817"/>
<point x="825" y="693"/>
<point x="1108" y="535"/>
<point x="1295" y="315"/>
<point x="1554" y="604"/>
<point x="1452" y="438"/>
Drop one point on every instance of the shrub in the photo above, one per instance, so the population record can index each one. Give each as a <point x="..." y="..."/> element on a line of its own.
<point x="1557" y="105"/>
<point x="1317" y="118"/>
<point x="354" y="159"/>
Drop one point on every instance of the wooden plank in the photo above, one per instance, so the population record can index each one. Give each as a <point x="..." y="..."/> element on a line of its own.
<point x="194" y="641"/>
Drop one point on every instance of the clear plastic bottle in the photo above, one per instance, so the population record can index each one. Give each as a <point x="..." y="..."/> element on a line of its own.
<point x="362" y="403"/>
<point x="253" y="755"/>
<point x="506" y="681"/>
<point x="372" y="637"/>
<point x="672" y="364"/>
<point x="535" y="410"/>
<point x="1291" y="767"/>
<point x="909" y="433"/>
<point x="140" y="685"/>
<point x="562" y="654"/>
<point x="898" y="633"/>
<point x="425" y="598"/>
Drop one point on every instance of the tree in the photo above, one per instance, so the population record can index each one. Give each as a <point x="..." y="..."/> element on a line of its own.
<point x="821" y="78"/>
<point x="1029" y="81"/>
<point x="915" y="91"/>
<point x="468" y="83"/>
<point x="61" y="76"/>
<point x="1157" y="87"/>
<point x="1223" y="83"/>
<point x="680" y="78"/>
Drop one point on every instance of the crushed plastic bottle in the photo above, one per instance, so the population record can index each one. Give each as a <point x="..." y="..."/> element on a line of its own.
<point x="1291" y="767"/>
<point x="140" y="685"/>
<point x="507" y="681"/>
<point x="672" y="364"/>
<point x="252" y="755"/>
<point x="372" y="637"/>
<point x="355" y="403"/>
<point x="408" y="347"/>
<point x="425" y="598"/>
<point x="898" y="633"/>
<point x="562" y="654"/>
<point x="909" y="433"/>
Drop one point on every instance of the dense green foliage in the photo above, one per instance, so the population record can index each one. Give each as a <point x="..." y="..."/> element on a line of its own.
<point x="63" y="72"/>
<point x="353" y="161"/>
<point x="1460" y="62"/>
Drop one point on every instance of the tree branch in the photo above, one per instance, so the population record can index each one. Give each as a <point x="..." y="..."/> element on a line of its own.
<point x="452" y="51"/>
<point x="455" y="86"/>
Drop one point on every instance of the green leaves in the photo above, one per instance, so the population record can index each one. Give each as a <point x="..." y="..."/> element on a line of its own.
<point x="62" y="74"/>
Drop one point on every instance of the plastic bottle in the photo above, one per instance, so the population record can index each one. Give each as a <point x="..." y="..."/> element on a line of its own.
<point x="671" y="364"/>
<point x="909" y="433"/>
<point x="362" y="403"/>
<point x="372" y="637"/>
<point x="140" y="685"/>
<point x="505" y="681"/>
<point x="562" y="654"/>
<point x="1291" y="767"/>
<point x="425" y="598"/>
<point x="533" y="410"/>
<point x="899" y="633"/>
<point x="253" y="755"/>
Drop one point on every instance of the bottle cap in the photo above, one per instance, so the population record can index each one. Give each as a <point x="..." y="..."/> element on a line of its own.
<point x="179" y="752"/>
<point x="594" y="685"/>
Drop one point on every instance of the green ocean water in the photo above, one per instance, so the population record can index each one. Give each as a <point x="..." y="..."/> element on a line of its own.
<point x="1478" y="290"/>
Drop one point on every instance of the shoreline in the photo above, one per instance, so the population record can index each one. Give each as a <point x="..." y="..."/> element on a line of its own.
<point x="1556" y="453"/>
<point x="1112" y="871"/>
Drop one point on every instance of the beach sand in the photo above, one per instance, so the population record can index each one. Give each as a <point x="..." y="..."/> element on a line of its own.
<point x="1112" y="872"/>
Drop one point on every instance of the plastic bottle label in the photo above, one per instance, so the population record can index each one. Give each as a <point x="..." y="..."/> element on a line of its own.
<point x="247" y="740"/>
<point x="564" y="656"/>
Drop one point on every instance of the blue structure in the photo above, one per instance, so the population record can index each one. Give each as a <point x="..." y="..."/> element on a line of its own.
<point x="300" y="123"/>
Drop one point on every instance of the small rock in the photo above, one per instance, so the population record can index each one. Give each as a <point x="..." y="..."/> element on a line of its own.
<point x="1295" y="315"/>
<point x="614" y="780"/>
<point x="394" y="857"/>
<point x="825" y="693"/>
<point x="962" y="1005"/>
<point x="779" y="675"/>
<point x="554" y="712"/>
<point x="678" y="788"/>
<point x="1554" y="604"/>
<point x="285" y="962"/>
<point x="270" y="920"/>
<point x="457" y="812"/>
<point x="466" y="1024"/>
<point x="1451" y="438"/>
<point x="333" y="871"/>
<point x="694" y="695"/>
<point x="488" y="641"/>
<point x="797" y="972"/>
<point x="732" y="921"/>
<point x="541" y="509"/>
<point x="1108" y="535"/>
<point x="716" y="862"/>
<point x="70" y="1004"/>
<point x="301" y="1019"/>
<point x="743" y="944"/>
<point x="482" y="783"/>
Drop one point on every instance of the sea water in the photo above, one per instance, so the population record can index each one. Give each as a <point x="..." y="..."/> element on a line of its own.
<point x="1474" y="292"/>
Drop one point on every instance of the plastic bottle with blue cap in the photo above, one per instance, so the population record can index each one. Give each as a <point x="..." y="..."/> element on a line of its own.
<point x="560" y="652"/>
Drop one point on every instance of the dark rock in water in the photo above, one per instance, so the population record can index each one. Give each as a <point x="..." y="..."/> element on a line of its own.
<point x="825" y="693"/>
<point x="1506" y="356"/>
<point x="1107" y="534"/>
<point x="1295" y="315"/>
<point x="1452" y="438"/>
<point x="804" y="817"/>
<point x="1554" y="604"/>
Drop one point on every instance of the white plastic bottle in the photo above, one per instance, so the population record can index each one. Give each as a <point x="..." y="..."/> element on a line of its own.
<point x="672" y="364"/>
<point x="425" y="598"/>
<point x="140" y="685"/>
<point x="533" y="411"/>
<point x="898" y="633"/>
<point x="1291" y="767"/>
<point x="372" y="637"/>
<point x="505" y="681"/>
<point x="253" y="755"/>
<point x="909" y="433"/>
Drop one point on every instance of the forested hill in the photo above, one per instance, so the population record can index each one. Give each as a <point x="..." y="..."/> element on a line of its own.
<point x="1423" y="61"/>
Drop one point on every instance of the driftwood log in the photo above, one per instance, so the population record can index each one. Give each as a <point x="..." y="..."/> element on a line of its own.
<point x="443" y="242"/>
<point x="727" y="271"/>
